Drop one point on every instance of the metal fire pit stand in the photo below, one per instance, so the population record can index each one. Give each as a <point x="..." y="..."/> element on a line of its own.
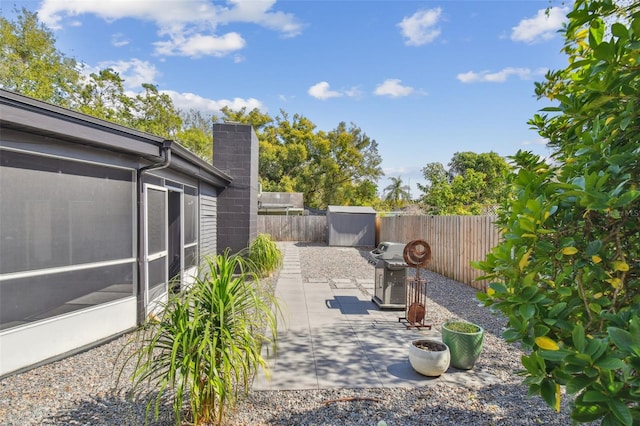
<point x="417" y="254"/>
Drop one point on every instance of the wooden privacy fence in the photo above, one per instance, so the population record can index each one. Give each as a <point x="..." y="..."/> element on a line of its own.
<point x="311" y="229"/>
<point x="455" y="241"/>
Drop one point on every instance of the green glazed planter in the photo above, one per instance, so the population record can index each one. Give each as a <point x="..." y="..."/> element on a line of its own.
<point x="465" y="346"/>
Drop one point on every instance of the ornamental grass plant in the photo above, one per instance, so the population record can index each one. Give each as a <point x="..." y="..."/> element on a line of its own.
<point x="204" y="348"/>
<point x="264" y="255"/>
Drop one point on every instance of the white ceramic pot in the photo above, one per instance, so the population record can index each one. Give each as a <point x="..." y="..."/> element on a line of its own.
<point x="430" y="363"/>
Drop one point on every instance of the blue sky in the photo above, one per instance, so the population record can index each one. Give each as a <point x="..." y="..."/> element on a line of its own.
<point x="425" y="79"/>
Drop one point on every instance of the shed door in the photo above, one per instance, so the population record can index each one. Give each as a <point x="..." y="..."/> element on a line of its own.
<point x="156" y="245"/>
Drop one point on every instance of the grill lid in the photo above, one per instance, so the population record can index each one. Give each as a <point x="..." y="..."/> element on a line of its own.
<point x="388" y="251"/>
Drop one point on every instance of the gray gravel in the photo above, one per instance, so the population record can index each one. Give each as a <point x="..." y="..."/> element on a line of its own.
<point x="81" y="390"/>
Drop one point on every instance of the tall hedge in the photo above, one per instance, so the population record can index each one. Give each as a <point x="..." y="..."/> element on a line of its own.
<point x="567" y="272"/>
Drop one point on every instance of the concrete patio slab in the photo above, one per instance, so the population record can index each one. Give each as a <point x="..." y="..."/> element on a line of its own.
<point x="338" y="338"/>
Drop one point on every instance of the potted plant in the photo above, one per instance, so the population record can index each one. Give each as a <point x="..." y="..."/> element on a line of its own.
<point x="429" y="357"/>
<point x="465" y="342"/>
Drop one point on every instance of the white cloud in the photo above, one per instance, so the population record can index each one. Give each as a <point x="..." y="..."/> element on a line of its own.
<point x="420" y="28"/>
<point x="135" y="72"/>
<point x="498" y="77"/>
<point x="188" y="101"/>
<point x="259" y="12"/>
<point x="538" y="141"/>
<point x="543" y="26"/>
<point x="401" y="170"/>
<point x="119" y="40"/>
<point x="354" y="92"/>
<point x="189" y="27"/>
<point x="200" y="45"/>
<point x="392" y="87"/>
<point x="322" y="91"/>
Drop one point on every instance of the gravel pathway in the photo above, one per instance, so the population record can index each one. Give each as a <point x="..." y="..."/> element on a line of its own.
<point x="81" y="390"/>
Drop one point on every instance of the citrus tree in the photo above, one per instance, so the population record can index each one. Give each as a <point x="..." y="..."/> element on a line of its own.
<point x="567" y="272"/>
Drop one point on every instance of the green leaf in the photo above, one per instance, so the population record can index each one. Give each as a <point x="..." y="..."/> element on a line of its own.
<point x="564" y="291"/>
<point x="552" y="355"/>
<point x="635" y="26"/>
<point x="598" y="102"/>
<point x="555" y="311"/>
<point x="610" y="420"/>
<point x="510" y="335"/>
<point x="578" y="337"/>
<point x="610" y="363"/>
<point x="498" y="287"/>
<point x="594" y="396"/>
<point x="624" y="123"/>
<point x="594" y="307"/>
<point x="596" y="347"/>
<point x="548" y="392"/>
<point x="627" y="198"/>
<point x="621" y="411"/>
<point x="531" y="364"/>
<point x="621" y="338"/>
<point x="593" y="247"/>
<point x="618" y="159"/>
<point x="577" y="383"/>
<point x="579" y="360"/>
<point x="540" y="330"/>
<point x="620" y="31"/>
<point x="527" y="311"/>
<point x="528" y="292"/>
<point x="586" y="413"/>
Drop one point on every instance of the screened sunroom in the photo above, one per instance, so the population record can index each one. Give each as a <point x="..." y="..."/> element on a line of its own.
<point x="98" y="223"/>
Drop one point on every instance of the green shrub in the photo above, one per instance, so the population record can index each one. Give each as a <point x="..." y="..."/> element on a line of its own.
<point x="205" y="346"/>
<point x="264" y="255"/>
<point x="567" y="274"/>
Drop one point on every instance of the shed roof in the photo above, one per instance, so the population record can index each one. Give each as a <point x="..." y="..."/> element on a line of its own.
<point x="351" y="209"/>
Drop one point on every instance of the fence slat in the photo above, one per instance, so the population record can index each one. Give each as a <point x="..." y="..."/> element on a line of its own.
<point x="455" y="240"/>
<point x="293" y="228"/>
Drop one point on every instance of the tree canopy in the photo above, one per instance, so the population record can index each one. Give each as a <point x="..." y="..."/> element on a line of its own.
<point x="31" y="64"/>
<point x="339" y="167"/>
<point x="471" y="184"/>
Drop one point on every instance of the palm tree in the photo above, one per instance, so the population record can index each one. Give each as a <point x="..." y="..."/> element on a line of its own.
<point x="396" y="193"/>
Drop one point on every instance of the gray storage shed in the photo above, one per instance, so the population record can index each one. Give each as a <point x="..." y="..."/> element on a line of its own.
<point x="351" y="226"/>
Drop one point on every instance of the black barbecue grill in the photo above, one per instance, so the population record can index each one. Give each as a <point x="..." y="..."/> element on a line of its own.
<point x="390" y="275"/>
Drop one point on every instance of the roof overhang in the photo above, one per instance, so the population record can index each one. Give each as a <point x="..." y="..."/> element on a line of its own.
<point x="29" y="115"/>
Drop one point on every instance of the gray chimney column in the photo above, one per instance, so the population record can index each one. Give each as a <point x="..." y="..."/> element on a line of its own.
<point x="235" y="152"/>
